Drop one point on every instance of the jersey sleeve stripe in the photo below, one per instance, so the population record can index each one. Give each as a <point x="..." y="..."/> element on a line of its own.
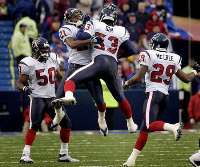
<point x="23" y="63"/>
<point x="67" y="29"/>
<point x="147" y="54"/>
<point x="180" y="60"/>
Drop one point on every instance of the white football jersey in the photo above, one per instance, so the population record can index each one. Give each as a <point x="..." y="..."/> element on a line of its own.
<point x="113" y="37"/>
<point x="80" y="55"/>
<point x="41" y="75"/>
<point x="161" y="67"/>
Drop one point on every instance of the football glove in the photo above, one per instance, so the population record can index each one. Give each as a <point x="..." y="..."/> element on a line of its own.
<point x="96" y="39"/>
<point x="196" y="67"/>
<point x="86" y="19"/>
<point x="27" y="90"/>
<point x="126" y="85"/>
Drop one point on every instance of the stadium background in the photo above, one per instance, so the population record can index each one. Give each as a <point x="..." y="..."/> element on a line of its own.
<point x="181" y="26"/>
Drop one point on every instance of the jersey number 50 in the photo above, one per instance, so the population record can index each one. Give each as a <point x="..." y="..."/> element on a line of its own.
<point x="44" y="77"/>
<point x="155" y="75"/>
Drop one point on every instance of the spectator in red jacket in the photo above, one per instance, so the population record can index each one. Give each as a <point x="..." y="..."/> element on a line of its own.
<point x="194" y="109"/>
<point x="154" y="20"/>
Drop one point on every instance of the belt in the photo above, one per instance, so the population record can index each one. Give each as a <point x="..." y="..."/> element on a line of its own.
<point x="75" y="65"/>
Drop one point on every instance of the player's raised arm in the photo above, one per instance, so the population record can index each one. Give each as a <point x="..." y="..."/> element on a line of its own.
<point x="188" y="77"/>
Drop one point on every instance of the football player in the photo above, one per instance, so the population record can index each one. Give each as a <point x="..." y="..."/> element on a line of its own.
<point x="158" y="66"/>
<point x="195" y="158"/>
<point x="79" y="56"/>
<point x="37" y="79"/>
<point x="104" y="60"/>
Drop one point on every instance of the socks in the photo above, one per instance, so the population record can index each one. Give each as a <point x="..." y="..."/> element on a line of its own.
<point x="69" y="86"/>
<point x="125" y="108"/>
<point x="101" y="108"/>
<point x="64" y="148"/>
<point x="30" y="137"/>
<point x="65" y="135"/>
<point x="156" y="126"/>
<point x="141" y="140"/>
<point x="27" y="150"/>
<point x="168" y="127"/>
<point x="135" y="153"/>
<point x="101" y="114"/>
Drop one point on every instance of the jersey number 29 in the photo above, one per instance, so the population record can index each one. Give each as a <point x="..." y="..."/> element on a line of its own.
<point x="155" y="75"/>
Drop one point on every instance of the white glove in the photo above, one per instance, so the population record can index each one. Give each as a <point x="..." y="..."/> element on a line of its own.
<point x="192" y="121"/>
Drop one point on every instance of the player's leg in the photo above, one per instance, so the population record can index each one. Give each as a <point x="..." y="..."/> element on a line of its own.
<point x="36" y="115"/>
<point x="150" y="113"/>
<point x="82" y="75"/>
<point x="65" y="130"/>
<point x="96" y="92"/>
<point x="59" y="94"/>
<point x="114" y="84"/>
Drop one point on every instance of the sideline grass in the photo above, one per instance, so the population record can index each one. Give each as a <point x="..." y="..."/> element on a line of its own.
<point x="95" y="150"/>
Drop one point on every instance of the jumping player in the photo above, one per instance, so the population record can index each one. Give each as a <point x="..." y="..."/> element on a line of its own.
<point x="104" y="62"/>
<point x="158" y="66"/>
<point x="79" y="56"/>
<point x="37" y="79"/>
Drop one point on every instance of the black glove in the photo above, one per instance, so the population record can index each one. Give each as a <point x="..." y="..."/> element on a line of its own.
<point x="112" y="7"/>
<point x="196" y="67"/>
<point x="96" y="39"/>
<point x="27" y="90"/>
<point x="86" y="19"/>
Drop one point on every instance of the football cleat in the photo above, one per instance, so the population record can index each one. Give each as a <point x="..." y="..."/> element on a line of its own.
<point x="130" y="162"/>
<point x="103" y="126"/>
<point x="132" y="127"/>
<point x="57" y="103"/>
<point x="66" y="158"/>
<point x="178" y="130"/>
<point x="68" y="100"/>
<point x="195" y="159"/>
<point x="25" y="159"/>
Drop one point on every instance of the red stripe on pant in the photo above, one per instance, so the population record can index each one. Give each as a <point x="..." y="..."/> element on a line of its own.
<point x="125" y="108"/>
<point x="69" y="86"/>
<point x="65" y="135"/>
<point x="30" y="137"/>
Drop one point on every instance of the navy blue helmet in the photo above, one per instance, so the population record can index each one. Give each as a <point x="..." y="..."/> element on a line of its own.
<point x="69" y="13"/>
<point x="159" y="42"/>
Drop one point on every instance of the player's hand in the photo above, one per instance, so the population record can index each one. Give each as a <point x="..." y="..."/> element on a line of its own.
<point x="86" y="19"/>
<point x="126" y="85"/>
<point x="96" y="39"/>
<point x="27" y="90"/>
<point x="196" y="67"/>
<point x="192" y="121"/>
<point x="112" y="7"/>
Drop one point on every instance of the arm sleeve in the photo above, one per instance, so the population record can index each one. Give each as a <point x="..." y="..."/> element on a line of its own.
<point x="144" y="59"/>
<point x="128" y="48"/>
<point x="125" y="36"/>
<point x="23" y="68"/>
<point x="81" y="35"/>
<point x="178" y="66"/>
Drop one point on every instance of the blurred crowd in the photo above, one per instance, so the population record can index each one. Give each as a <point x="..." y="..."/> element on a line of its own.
<point x="142" y="18"/>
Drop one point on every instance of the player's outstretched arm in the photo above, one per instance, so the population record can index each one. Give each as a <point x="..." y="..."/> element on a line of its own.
<point x="188" y="77"/>
<point x="73" y="44"/>
<point x="185" y="77"/>
<point x="137" y="77"/>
